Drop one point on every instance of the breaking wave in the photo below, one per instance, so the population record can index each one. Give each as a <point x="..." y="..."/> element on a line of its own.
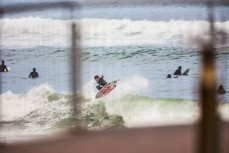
<point x="104" y="32"/>
<point x="43" y="108"/>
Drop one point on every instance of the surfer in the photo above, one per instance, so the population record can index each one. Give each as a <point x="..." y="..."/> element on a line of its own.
<point x="101" y="82"/>
<point x="3" y="67"/>
<point x="169" y="76"/>
<point x="33" y="74"/>
<point x="178" y="71"/>
<point x="221" y="90"/>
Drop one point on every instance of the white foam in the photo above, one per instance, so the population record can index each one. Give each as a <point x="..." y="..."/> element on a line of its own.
<point x="16" y="106"/>
<point x="87" y="91"/>
<point x="129" y="85"/>
<point x="32" y="31"/>
<point x="141" y="112"/>
<point x="136" y="111"/>
<point x="224" y="111"/>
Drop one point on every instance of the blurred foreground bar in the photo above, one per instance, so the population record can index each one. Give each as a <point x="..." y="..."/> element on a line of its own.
<point x="170" y="139"/>
<point x="209" y="138"/>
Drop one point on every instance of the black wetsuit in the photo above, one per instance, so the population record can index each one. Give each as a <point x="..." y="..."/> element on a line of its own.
<point x="177" y="72"/>
<point x="3" y="68"/>
<point x="221" y="90"/>
<point x="33" y="75"/>
<point x="101" y="83"/>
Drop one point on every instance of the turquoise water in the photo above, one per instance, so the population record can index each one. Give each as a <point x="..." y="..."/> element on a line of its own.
<point x="140" y="49"/>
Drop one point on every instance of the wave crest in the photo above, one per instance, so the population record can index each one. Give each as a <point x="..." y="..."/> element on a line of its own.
<point x="104" y="32"/>
<point x="42" y="100"/>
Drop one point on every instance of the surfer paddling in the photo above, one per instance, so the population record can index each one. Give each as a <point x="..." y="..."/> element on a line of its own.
<point x="101" y="82"/>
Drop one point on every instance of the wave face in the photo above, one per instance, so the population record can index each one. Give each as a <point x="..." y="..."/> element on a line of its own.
<point x="34" y="31"/>
<point x="44" y="107"/>
<point x="43" y="110"/>
<point x="35" y="105"/>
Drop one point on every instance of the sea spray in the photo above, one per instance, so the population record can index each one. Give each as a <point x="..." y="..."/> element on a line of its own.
<point x="87" y="90"/>
<point x="96" y="116"/>
<point x="136" y="110"/>
<point x="146" y="111"/>
<point x="41" y="104"/>
<point x="42" y="109"/>
<point x="224" y="110"/>
<point x="128" y="85"/>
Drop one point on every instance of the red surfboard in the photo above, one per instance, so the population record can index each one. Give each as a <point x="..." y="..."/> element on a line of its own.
<point x="106" y="89"/>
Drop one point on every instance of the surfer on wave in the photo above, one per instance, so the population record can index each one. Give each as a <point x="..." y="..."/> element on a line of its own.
<point x="101" y="82"/>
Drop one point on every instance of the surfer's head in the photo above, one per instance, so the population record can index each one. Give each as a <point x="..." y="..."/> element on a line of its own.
<point x="169" y="76"/>
<point x="179" y="67"/>
<point x="221" y="90"/>
<point x="96" y="77"/>
<point x="34" y="69"/>
<point x="3" y="62"/>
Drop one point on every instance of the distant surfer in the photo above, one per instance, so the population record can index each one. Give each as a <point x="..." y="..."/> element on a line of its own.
<point x="221" y="90"/>
<point x="178" y="71"/>
<point x="169" y="76"/>
<point x="33" y="74"/>
<point x="3" y="67"/>
<point x="101" y="82"/>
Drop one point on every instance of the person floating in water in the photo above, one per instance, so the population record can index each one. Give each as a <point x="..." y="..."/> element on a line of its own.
<point x="221" y="90"/>
<point x="33" y="74"/>
<point x="3" y="67"/>
<point x="101" y="82"/>
<point x="178" y="71"/>
<point x="169" y="76"/>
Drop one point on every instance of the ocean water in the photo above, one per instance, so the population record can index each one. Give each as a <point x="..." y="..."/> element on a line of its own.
<point x="138" y="44"/>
